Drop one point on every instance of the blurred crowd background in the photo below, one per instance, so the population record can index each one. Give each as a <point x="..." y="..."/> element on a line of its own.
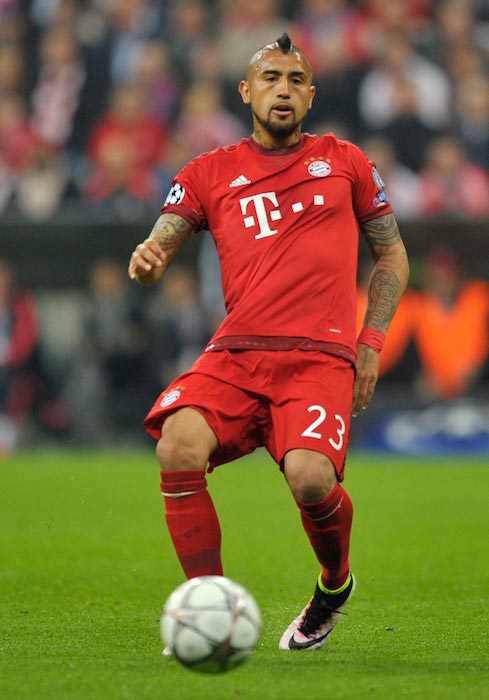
<point x="101" y="103"/>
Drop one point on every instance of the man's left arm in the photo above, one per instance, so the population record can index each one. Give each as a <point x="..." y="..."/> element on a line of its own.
<point x="386" y="286"/>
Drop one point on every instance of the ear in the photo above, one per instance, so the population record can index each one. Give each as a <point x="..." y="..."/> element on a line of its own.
<point x="311" y="98"/>
<point x="244" y="91"/>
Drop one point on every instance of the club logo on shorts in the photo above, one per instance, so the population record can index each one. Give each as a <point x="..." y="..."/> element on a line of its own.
<point x="319" y="168"/>
<point x="175" y="195"/>
<point x="170" y="398"/>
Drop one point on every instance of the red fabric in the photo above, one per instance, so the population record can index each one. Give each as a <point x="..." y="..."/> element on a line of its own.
<point x="345" y="26"/>
<point x="372" y="337"/>
<point x="20" y="397"/>
<point x="144" y="140"/>
<point x="283" y="400"/>
<point x="286" y="227"/>
<point x="55" y="100"/>
<point x="192" y="523"/>
<point x="24" y="333"/>
<point x="328" y="526"/>
<point x="140" y="182"/>
<point x="182" y="481"/>
<point x="400" y="330"/>
<point x="19" y="144"/>
<point x="465" y="192"/>
<point x="264" y="342"/>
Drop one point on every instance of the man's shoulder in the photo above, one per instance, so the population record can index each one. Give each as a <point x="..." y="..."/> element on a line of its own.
<point x="222" y="152"/>
<point x="332" y="141"/>
<point x="344" y="156"/>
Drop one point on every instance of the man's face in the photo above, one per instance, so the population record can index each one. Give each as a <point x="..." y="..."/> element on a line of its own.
<point x="278" y="88"/>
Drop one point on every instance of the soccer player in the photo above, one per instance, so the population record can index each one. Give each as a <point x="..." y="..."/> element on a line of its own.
<point x="284" y="370"/>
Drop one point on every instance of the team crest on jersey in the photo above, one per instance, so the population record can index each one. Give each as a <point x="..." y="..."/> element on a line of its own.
<point x="170" y="397"/>
<point x="175" y="195"/>
<point x="319" y="168"/>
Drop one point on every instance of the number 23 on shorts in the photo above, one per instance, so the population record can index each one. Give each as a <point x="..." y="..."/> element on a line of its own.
<point x="314" y="430"/>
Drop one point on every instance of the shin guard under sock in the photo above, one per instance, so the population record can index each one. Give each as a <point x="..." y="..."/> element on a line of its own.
<point x="328" y="526"/>
<point x="192" y="522"/>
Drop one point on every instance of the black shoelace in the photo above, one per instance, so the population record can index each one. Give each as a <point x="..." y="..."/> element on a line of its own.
<point x="321" y="608"/>
<point x="316" y="616"/>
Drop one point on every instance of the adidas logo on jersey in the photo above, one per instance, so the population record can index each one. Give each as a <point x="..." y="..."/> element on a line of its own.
<point x="241" y="180"/>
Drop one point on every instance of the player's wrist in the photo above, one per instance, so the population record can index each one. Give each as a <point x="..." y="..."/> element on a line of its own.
<point x="146" y="280"/>
<point x="372" y="337"/>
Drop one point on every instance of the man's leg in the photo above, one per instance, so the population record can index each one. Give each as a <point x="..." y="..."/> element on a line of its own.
<point x="326" y="512"/>
<point x="183" y="452"/>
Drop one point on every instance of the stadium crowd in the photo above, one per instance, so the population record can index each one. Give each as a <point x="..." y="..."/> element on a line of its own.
<point x="102" y="101"/>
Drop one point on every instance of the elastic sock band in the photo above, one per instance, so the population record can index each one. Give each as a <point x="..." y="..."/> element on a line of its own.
<point x="182" y="483"/>
<point x="372" y="337"/>
<point x="336" y="590"/>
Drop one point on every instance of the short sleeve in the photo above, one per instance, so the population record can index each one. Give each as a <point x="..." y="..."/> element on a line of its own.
<point x="188" y="194"/>
<point x="370" y="199"/>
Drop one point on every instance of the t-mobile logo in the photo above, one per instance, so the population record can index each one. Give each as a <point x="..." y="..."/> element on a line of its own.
<point x="260" y="216"/>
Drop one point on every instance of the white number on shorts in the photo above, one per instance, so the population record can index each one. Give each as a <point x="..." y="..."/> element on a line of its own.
<point x="311" y="432"/>
<point x="340" y="432"/>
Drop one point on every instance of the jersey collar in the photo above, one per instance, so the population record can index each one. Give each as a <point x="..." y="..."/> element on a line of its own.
<point x="277" y="151"/>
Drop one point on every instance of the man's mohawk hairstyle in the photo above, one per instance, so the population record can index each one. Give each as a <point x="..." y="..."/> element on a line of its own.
<point x="284" y="43"/>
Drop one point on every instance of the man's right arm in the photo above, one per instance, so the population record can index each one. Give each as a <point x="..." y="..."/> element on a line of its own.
<point x="150" y="258"/>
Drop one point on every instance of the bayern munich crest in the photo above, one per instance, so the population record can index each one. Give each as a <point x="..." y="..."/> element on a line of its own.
<point x="170" y="398"/>
<point x="319" y="168"/>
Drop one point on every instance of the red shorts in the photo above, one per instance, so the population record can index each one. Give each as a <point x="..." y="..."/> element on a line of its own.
<point x="281" y="399"/>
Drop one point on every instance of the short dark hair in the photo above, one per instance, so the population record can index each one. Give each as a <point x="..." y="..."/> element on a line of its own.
<point x="284" y="43"/>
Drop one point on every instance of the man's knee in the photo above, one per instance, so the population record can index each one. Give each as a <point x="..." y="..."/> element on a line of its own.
<point x="310" y="475"/>
<point x="186" y="441"/>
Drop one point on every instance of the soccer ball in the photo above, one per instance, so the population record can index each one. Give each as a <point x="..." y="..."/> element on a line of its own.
<point x="211" y="624"/>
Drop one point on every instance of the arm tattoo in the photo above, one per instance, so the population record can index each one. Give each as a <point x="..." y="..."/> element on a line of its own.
<point x="171" y="231"/>
<point x="390" y="274"/>
<point x="384" y="294"/>
<point x="380" y="232"/>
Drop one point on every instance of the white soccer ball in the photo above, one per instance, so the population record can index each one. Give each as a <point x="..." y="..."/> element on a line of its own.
<point x="211" y="624"/>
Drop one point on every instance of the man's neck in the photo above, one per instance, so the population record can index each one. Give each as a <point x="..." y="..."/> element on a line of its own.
<point x="266" y="140"/>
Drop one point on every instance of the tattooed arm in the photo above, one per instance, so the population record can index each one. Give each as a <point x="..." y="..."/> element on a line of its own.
<point x="390" y="275"/>
<point x="386" y="285"/>
<point x="151" y="257"/>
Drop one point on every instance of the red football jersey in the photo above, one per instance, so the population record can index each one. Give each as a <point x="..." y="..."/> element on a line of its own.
<point x="285" y="224"/>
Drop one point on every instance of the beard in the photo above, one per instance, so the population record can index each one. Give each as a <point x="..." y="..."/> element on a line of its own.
<point x="277" y="129"/>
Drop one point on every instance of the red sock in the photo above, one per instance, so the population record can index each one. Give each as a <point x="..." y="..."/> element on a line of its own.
<point x="328" y="526"/>
<point x="192" y="522"/>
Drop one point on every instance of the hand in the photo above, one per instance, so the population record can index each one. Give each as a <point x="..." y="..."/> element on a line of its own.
<point x="148" y="262"/>
<point x="366" y="379"/>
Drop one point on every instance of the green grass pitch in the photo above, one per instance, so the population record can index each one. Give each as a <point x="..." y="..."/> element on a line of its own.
<point x="86" y="565"/>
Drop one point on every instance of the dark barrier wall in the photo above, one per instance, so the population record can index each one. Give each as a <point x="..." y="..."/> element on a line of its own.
<point x="57" y="254"/>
